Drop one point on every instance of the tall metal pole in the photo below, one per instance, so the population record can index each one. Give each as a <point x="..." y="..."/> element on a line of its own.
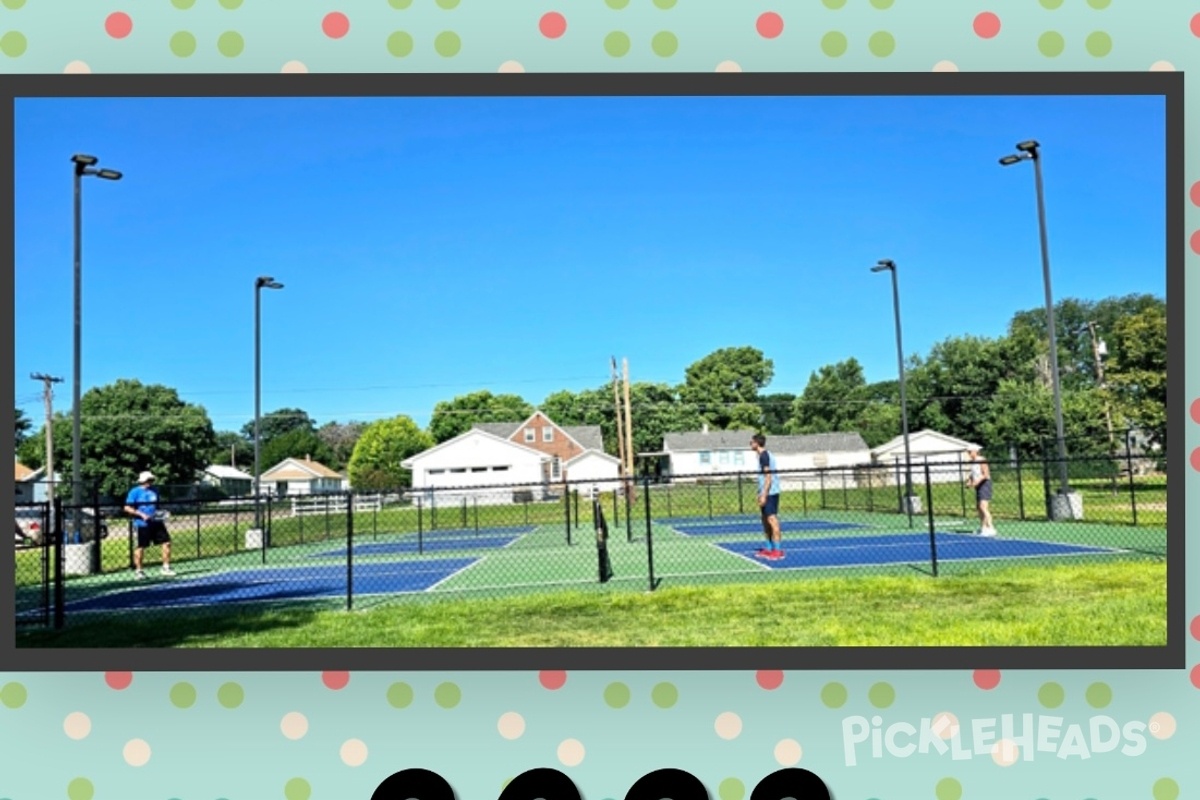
<point x="76" y="446"/>
<point x="1064" y="488"/>
<point x="903" y="396"/>
<point x="257" y="402"/>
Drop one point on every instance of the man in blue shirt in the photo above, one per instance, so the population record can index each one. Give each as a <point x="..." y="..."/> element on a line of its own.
<point x="768" y="497"/>
<point x="142" y="505"/>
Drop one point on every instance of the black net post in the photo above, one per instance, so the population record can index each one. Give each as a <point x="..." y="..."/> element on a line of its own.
<point x="349" y="551"/>
<point x="929" y="514"/>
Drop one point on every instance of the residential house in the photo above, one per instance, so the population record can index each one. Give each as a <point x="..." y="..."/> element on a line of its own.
<point x="31" y="484"/>
<point x="945" y="455"/>
<point x="230" y="480"/>
<point x="811" y="459"/>
<point x="299" y="476"/>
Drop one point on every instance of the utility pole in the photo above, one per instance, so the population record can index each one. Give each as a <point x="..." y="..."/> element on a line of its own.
<point x="48" y="397"/>
<point x="1096" y="354"/>
<point x="629" y="464"/>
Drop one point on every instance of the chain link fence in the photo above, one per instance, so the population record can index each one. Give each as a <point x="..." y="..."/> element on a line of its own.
<point x="231" y="562"/>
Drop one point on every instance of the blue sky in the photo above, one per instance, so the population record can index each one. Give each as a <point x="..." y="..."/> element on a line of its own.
<point x="434" y="247"/>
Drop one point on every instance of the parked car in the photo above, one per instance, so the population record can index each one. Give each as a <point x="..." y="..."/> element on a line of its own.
<point x="29" y="525"/>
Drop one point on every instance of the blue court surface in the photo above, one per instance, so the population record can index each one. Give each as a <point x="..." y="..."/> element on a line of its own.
<point x="852" y="551"/>
<point x="742" y="525"/>
<point x="438" y="542"/>
<point x="275" y="584"/>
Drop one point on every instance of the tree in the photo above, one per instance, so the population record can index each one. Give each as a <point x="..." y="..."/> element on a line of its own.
<point x="232" y="446"/>
<point x="375" y="463"/>
<point x="776" y="411"/>
<point x="23" y="426"/>
<point x="127" y="427"/>
<point x="340" y="439"/>
<point x="457" y="416"/>
<point x="1137" y="371"/>
<point x="832" y="399"/>
<point x="725" y="379"/>
<point x="296" y="443"/>
<point x="278" y="422"/>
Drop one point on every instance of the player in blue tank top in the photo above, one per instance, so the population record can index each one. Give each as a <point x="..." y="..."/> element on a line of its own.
<point x="768" y="497"/>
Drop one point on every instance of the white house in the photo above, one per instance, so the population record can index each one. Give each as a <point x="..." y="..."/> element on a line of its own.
<point x="946" y="456"/>
<point x="295" y="476"/>
<point x="230" y="480"/>
<point x="810" y="458"/>
<point x="31" y="484"/>
<point x="595" y="465"/>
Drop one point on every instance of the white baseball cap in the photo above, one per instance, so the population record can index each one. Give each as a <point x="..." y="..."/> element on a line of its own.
<point x="146" y="476"/>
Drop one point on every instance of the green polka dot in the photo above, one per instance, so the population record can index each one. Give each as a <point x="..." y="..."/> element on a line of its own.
<point x="731" y="789"/>
<point x="400" y="44"/>
<point x="80" y="789"/>
<point x="834" y="695"/>
<point x="664" y="44"/>
<point x="13" y="695"/>
<point x="447" y="44"/>
<point x="1099" y="5"/>
<point x="1098" y="695"/>
<point x="297" y="789"/>
<point x="1051" y="695"/>
<point x="617" y="4"/>
<point x="1099" y="44"/>
<point x="231" y="4"/>
<point x="13" y="4"/>
<point x="183" y="5"/>
<point x="834" y="44"/>
<point x="664" y="695"/>
<point x="447" y="4"/>
<point x="230" y="695"/>
<point x="447" y="695"/>
<point x="1051" y="44"/>
<point x="399" y="695"/>
<point x="13" y="44"/>
<point x="881" y="44"/>
<point x="183" y="44"/>
<point x="948" y="789"/>
<point x="834" y="4"/>
<point x="881" y="4"/>
<point x="616" y="695"/>
<point x="664" y="4"/>
<point x="1166" y="789"/>
<point x="1050" y="5"/>
<point x="616" y="44"/>
<point x="183" y="695"/>
<point x="881" y="695"/>
<point x="400" y="4"/>
<point x="231" y="44"/>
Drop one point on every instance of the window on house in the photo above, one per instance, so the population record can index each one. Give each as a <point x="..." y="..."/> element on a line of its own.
<point x="706" y="457"/>
<point x="556" y="468"/>
<point x="459" y="469"/>
<point x="499" y="469"/>
<point x="436" y="471"/>
<point x="478" y="469"/>
<point x="547" y="434"/>
<point x="723" y="457"/>
<point x="739" y="457"/>
<point x="821" y="460"/>
<point x="529" y="435"/>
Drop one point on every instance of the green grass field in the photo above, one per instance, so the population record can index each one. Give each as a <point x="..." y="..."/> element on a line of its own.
<point x="540" y="590"/>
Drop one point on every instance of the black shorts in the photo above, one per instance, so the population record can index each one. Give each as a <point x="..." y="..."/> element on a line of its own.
<point x="153" y="532"/>
<point x="771" y="507"/>
<point x="983" y="491"/>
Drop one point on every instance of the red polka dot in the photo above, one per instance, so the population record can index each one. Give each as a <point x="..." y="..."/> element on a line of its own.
<point x="1196" y="25"/>
<point x="336" y="25"/>
<point x="1195" y="459"/>
<point x="1196" y="242"/>
<point x="769" y="25"/>
<point x="986" y="25"/>
<point x="1196" y="628"/>
<point x="118" y="680"/>
<point x="118" y="25"/>
<point x="335" y="680"/>
<point x="769" y="679"/>
<point x="552" y="25"/>
<point x="552" y="679"/>
<point x="1196" y="676"/>
<point x="1195" y="410"/>
<point x="987" y="679"/>
<point x="1195" y="193"/>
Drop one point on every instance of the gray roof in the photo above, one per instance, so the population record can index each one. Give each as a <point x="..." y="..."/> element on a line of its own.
<point x="740" y="440"/>
<point x="588" y="436"/>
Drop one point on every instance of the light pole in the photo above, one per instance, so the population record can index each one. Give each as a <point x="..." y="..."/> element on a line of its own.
<point x="887" y="265"/>
<point x="84" y="166"/>
<point x="260" y="283"/>
<point x="1030" y="151"/>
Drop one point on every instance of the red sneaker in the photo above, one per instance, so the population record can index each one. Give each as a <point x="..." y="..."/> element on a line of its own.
<point x="774" y="555"/>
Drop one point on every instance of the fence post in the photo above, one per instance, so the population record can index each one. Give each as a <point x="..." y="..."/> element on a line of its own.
<point x="97" y="544"/>
<point x="326" y="515"/>
<point x="629" y="510"/>
<point x="821" y="475"/>
<point x="929" y="514"/>
<point x="567" y="510"/>
<point x="420" y="526"/>
<point x="575" y="492"/>
<point x="962" y="486"/>
<point x="870" y="490"/>
<point x="616" y="512"/>
<point x="475" y="502"/>
<point x="199" y="513"/>
<point x="741" y="502"/>
<point x="59" y="589"/>
<point x="845" y="489"/>
<point x="668" y="500"/>
<point x="1046" y="481"/>
<point x="649" y="537"/>
<point x="1020" y="484"/>
<point x="349" y="551"/>
<point x="708" y="491"/>
<point x="1129" y="468"/>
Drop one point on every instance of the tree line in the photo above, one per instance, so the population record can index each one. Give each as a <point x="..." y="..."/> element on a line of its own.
<point x="996" y="391"/>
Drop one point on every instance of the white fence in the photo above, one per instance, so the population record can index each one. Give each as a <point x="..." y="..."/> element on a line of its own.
<point x="314" y="504"/>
